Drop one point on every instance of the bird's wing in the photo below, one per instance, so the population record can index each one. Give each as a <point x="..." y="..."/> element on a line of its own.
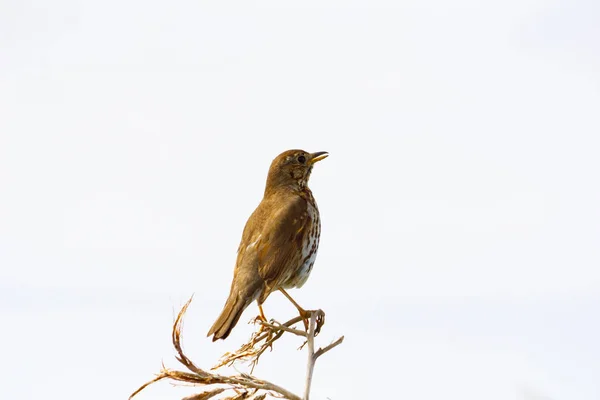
<point x="280" y="243"/>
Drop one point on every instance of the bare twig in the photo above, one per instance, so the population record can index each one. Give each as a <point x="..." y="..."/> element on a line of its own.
<point x="324" y="350"/>
<point x="310" y="366"/>
<point x="296" y="332"/>
<point x="314" y="324"/>
<point x="244" y="386"/>
<point x="198" y="376"/>
<point x="204" y="395"/>
<point x="259" y="343"/>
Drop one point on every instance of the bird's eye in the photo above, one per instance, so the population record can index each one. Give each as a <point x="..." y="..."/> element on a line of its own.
<point x="301" y="159"/>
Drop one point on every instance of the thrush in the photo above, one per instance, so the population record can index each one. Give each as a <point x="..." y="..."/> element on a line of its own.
<point x="279" y="243"/>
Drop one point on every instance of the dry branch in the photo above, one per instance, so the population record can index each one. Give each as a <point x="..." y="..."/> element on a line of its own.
<point x="242" y="386"/>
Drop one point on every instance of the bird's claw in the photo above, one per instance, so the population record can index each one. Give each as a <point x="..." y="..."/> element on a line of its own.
<point x="320" y="321"/>
<point x="307" y="315"/>
<point x="258" y="319"/>
<point x="262" y="329"/>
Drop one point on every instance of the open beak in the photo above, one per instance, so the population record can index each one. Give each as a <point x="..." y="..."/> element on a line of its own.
<point x="318" y="156"/>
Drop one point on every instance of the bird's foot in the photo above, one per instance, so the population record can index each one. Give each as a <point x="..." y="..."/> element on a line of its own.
<point x="307" y="315"/>
<point x="261" y="320"/>
<point x="258" y="320"/>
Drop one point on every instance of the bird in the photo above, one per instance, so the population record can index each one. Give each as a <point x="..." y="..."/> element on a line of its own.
<point x="279" y="241"/>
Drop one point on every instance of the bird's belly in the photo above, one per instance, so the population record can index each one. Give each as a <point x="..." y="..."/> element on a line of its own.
<point x="304" y="271"/>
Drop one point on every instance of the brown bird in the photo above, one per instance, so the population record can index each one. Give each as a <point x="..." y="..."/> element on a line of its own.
<point x="279" y="243"/>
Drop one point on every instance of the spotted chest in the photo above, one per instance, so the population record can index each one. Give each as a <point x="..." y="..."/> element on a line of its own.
<point x="310" y="245"/>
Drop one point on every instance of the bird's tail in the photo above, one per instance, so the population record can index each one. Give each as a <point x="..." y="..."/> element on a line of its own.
<point x="234" y="307"/>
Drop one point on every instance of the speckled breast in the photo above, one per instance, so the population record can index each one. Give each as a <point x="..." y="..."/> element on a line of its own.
<point x="309" y="249"/>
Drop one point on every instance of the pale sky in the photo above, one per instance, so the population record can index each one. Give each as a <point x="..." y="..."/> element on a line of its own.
<point x="460" y="203"/>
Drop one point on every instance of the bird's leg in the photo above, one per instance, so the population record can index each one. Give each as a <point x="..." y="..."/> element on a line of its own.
<point x="261" y="317"/>
<point x="261" y="313"/>
<point x="303" y="313"/>
<point x="306" y="314"/>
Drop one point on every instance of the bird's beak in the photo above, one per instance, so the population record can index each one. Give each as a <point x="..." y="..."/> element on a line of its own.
<point x="318" y="156"/>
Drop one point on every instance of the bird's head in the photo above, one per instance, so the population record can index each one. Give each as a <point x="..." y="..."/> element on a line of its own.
<point x="292" y="168"/>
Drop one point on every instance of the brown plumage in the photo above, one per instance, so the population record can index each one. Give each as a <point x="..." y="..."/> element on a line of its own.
<point x="280" y="240"/>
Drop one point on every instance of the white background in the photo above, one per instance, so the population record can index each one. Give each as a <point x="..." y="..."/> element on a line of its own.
<point x="460" y="203"/>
